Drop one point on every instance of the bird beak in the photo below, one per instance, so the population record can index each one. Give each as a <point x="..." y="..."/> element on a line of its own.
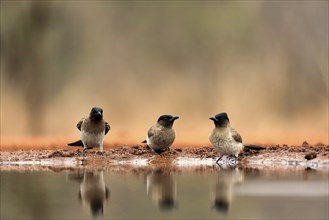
<point x="174" y="118"/>
<point x="97" y="115"/>
<point x="212" y="118"/>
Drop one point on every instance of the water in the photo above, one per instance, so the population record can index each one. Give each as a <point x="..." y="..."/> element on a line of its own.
<point x="153" y="193"/>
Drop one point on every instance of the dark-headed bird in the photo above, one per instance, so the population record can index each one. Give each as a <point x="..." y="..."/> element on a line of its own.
<point x="92" y="130"/>
<point x="225" y="139"/>
<point x="161" y="135"/>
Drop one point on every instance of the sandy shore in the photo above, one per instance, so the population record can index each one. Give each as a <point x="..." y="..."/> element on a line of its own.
<point x="138" y="155"/>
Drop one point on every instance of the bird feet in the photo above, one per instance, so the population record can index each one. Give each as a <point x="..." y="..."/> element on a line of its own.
<point x="101" y="153"/>
<point x="162" y="150"/>
<point x="227" y="161"/>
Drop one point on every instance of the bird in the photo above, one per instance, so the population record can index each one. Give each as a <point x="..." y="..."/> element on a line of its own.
<point x="161" y="135"/>
<point x="225" y="139"/>
<point x="92" y="130"/>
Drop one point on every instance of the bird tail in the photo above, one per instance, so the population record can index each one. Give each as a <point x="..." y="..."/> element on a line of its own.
<point x="144" y="141"/>
<point x="76" y="144"/>
<point x="253" y="147"/>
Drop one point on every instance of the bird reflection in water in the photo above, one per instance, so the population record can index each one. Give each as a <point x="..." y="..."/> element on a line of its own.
<point x="93" y="192"/>
<point x="161" y="186"/>
<point x="227" y="178"/>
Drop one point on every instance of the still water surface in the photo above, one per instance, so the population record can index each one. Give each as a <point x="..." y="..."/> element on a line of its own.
<point x="154" y="193"/>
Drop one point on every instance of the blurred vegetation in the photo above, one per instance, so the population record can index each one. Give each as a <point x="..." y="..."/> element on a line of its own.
<point x="36" y="49"/>
<point x="141" y="59"/>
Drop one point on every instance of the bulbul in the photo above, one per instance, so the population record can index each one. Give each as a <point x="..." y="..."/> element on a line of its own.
<point x="161" y="135"/>
<point x="224" y="138"/>
<point x="92" y="130"/>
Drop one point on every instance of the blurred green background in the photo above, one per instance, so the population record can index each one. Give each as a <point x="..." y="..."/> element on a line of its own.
<point x="265" y="63"/>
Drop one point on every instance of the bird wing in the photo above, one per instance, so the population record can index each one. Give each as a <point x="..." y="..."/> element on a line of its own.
<point x="151" y="132"/>
<point x="236" y="136"/>
<point x="79" y="124"/>
<point x="107" y="127"/>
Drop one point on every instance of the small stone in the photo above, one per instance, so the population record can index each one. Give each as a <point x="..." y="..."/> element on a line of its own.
<point x="305" y="144"/>
<point x="100" y="153"/>
<point x="310" y="156"/>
